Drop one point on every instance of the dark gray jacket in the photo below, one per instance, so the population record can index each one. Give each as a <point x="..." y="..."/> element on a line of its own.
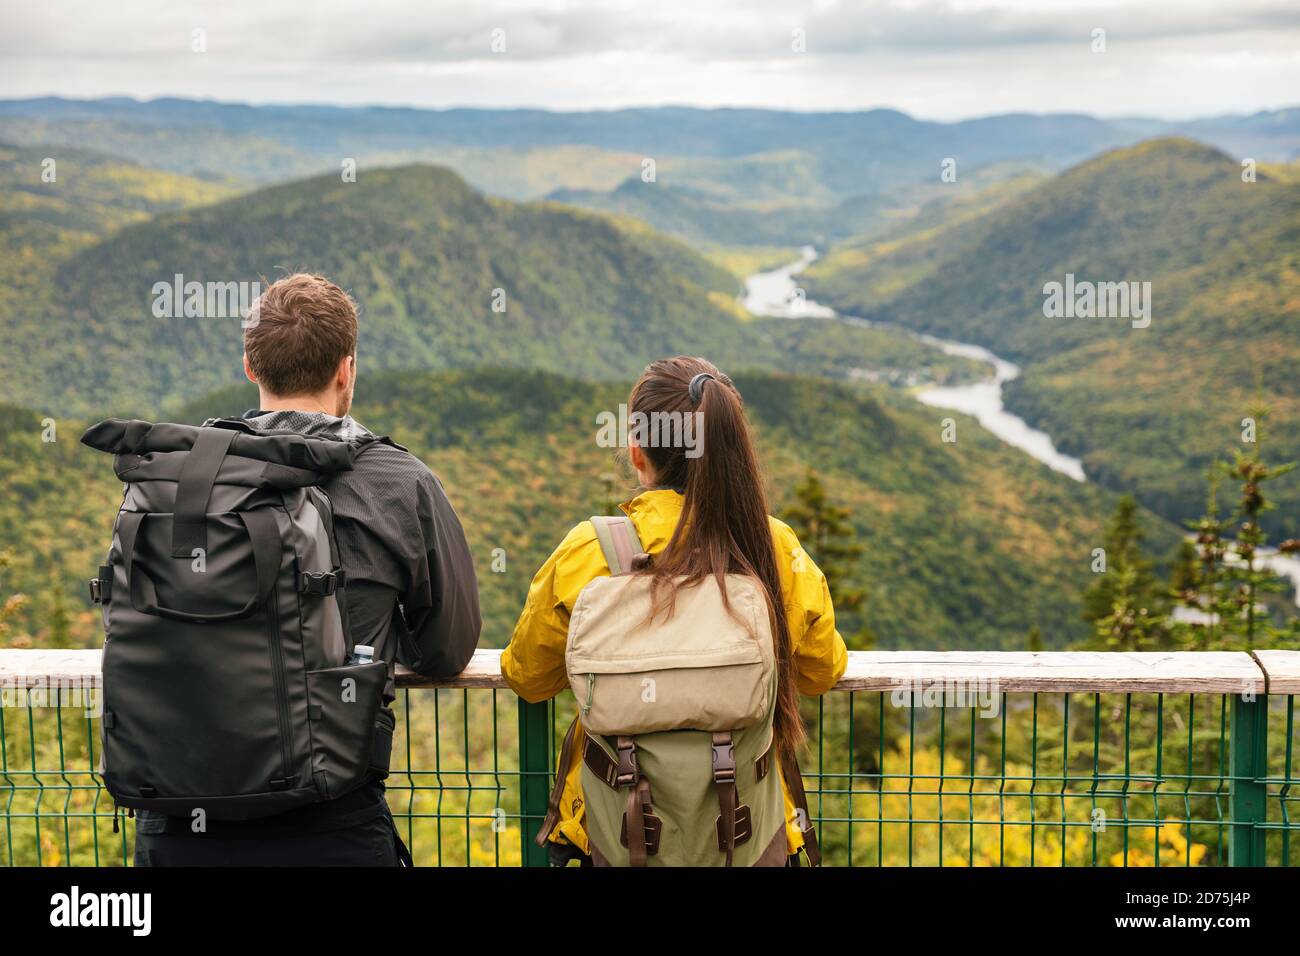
<point x="412" y="593"/>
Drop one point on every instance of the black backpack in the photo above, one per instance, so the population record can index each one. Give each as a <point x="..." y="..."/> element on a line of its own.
<point x="226" y="686"/>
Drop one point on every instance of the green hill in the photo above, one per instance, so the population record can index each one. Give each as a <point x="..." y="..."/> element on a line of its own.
<point x="432" y="263"/>
<point x="703" y="217"/>
<point x="968" y="545"/>
<point x="690" y="213"/>
<point x="91" y="193"/>
<point x="49" y="211"/>
<point x="422" y="252"/>
<point x="1146" y="408"/>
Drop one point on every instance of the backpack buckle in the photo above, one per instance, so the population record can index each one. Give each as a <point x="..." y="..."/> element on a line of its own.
<point x="625" y="773"/>
<point x="101" y="588"/>
<point x="320" y="583"/>
<point x="724" y="759"/>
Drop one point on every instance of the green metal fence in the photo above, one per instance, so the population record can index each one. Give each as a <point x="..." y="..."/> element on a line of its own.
<point x="900" y="770"/>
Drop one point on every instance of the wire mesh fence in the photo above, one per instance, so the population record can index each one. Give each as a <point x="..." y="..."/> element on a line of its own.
<point x="1013" y="778"/>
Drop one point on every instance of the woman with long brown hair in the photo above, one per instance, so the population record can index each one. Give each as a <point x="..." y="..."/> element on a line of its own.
<point x="701" y="517"/>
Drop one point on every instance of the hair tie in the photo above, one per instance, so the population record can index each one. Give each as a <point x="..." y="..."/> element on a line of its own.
<point x="696" y="388"/>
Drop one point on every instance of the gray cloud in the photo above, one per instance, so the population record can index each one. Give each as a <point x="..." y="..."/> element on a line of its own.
<point x="605" y="52"/>
<point x="404" y="31"/>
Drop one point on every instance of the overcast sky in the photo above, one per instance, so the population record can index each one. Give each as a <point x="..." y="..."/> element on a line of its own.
<point x="938" y="59"/>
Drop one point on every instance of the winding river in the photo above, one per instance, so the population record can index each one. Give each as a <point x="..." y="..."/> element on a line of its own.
<point x="776" y="293"/>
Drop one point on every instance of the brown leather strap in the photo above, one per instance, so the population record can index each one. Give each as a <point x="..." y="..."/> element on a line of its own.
<point x="763" y="762"/>
<point x="794" y="782"/>
<point x="638" y="799"/>
<point x="623" y="772"/>
<point x="653" y="825"/>
<point x="727" y="805"/>
<point x="552" y="818"/>
<point x="598" y="761"/>
<point x="775" y="854"/>
<point x="724" y="778"/>
<point x="744" y="828"/>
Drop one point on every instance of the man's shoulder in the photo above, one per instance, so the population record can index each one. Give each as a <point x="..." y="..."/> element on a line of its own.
<point x="378" y="462"/>
<point x="386" y="488"/>
<point x="384" y="453"/>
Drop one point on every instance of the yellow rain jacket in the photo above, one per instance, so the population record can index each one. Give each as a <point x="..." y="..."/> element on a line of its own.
<point x="533" y="664"/>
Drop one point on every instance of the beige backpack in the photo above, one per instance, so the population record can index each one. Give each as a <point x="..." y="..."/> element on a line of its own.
<point x="676" y="714"/>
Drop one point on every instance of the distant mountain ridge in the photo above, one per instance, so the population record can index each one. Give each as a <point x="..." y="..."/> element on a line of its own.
<point x="671" y="129"/>
<point x="727" y="175"/>
<point x="843" y="153"/>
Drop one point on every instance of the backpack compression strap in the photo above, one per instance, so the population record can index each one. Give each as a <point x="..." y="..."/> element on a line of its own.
<point x="724" y="778"/>
<point x="194" y="486"/>
<point x="618" y="542"/>
<point x="794" y="782"/>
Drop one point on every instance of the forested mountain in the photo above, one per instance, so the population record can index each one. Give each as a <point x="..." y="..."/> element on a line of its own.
<point x="446" y="277"/>
<point x="420" y="250"/>
<point x="1148" y="407"/>
<point x="86" y="194"/>
<point x="55" y="202"/>
<point x="967" y="544"/>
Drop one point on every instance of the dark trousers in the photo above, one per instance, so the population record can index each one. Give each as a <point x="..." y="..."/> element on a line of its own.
<point x="334" y="834"/>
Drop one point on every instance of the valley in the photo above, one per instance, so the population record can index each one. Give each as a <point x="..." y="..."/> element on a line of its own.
<point x="867" y="310"/>
<point x="1145" y="404"/>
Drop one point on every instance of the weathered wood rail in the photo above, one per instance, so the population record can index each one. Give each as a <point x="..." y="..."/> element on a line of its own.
<point x="1184" y="672"/>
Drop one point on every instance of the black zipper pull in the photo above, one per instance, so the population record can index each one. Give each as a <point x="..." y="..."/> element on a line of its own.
<point x="115" y="818"/>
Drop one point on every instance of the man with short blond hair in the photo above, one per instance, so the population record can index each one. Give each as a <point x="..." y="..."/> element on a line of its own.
<point x="411" y="590"/>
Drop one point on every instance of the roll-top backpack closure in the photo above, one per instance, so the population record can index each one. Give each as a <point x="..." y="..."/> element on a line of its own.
<point x="134" y="440"/>
<point x="198" y="475"/>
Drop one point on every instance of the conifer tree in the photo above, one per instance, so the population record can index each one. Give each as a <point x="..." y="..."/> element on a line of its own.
<point x="1123" y="554"/>
<point x="1232" y="580"/>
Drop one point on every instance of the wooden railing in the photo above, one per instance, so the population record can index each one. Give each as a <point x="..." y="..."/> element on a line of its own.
<point x="1188" y="672"/>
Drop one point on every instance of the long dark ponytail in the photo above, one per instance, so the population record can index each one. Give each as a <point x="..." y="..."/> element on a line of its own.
<point x="724" y="527"/>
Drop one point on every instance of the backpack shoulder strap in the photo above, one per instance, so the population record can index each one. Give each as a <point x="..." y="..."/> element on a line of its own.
<point x="793" y="777"/>
<point x="619" y="542"/>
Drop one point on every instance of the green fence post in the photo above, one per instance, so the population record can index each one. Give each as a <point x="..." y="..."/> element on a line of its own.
<point x="1247" y="797"/>
<point x="534" y="778"/>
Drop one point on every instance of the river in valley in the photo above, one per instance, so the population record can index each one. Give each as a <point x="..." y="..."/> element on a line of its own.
<point x="777" y="293"/>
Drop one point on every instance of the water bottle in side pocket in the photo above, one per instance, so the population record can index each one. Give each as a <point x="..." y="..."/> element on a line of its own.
<point x="362" y="654"/>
